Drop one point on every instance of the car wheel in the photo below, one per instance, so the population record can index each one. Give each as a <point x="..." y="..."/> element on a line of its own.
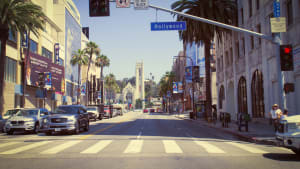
<point x="10" y="132"/>
<point x="77" y="129"/>
<point x="36" y="128"/>
<point x="87" y="126"/>
<point x="100" y="117"/>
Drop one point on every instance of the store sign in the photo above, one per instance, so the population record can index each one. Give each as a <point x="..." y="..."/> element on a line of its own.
<point x="39" y="64"/>
<point x="188" y="74"/>
<point x="278" y="24"/>
<point x="177" y="87"/>
<point x="56" y="52"/>
<point x="48" y="80"/>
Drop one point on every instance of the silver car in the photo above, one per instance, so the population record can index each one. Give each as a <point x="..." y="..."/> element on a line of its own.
<point x="26" y="120"/>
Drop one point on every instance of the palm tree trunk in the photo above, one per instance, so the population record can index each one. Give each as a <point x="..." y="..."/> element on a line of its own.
<point x="87" y="77"/>
<point x="78" y="88"/>
<point x="207" y="44"/>
<point x="3" y="39"/>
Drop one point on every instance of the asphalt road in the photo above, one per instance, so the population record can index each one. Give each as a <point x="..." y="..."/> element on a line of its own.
<point x="142" y="141"/>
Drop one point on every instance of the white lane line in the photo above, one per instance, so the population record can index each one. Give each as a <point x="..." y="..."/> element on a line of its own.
<point x="171" y="146"/>
<point x="25" y="148"/>
<point x="8" y="144"/>
<point x="247" y="148"/>
<point x="139" y="136"/>
<point x="209" y="147"/>
<point x="61" y="147"/>
<point x="135" y="146"/>
<point x="96" y="148"/>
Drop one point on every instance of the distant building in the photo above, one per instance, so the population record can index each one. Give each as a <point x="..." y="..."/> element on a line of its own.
<point x="139" y="82"/>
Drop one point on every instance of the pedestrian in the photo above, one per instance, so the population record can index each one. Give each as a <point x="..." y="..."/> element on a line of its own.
<point x="284" y="115"/>
<point x="272" y="115"/>
<point x="278" y="113"/>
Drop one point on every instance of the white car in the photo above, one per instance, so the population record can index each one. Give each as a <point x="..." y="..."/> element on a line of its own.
<point x="288" y="134"/>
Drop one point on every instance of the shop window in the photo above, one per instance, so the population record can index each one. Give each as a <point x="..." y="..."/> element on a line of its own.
<point x="46" y="53"/>
<point x="10" y="70"/>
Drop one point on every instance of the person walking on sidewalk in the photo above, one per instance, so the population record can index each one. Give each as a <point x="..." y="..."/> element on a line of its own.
<point x="278" y="113"/>
<point x="272" y="115"/>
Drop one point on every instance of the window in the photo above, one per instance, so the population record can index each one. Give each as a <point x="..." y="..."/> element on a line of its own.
<point x="250" y="8"/>
<point x="242" y="15"/>
<point x="46" y="53"/>
<point x="243" y="43"/>
<point x="257" y="92"/>
<point x="258" y="27"/>
<point x="231" y="56"/>
<point x="221" y="96"/>
<point x="252" y="42"/>
<point x="10" y="70"/>
<point x="242" y="96"/>
<point x="257" y="4"/>
<point x="12" y="36"/>
<point x="227" y="58"/>
<point x="33" y="46"/>
<point x="237" y="50"/>
<point x="289" y="12"/>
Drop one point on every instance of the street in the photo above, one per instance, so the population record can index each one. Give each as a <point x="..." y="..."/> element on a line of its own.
<point x="140" y="140"/>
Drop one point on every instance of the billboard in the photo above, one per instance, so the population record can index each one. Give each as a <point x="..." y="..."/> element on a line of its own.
<point x="196" y="53"/>
<point x="177" y="87"/>
<point x="38" y="64"/>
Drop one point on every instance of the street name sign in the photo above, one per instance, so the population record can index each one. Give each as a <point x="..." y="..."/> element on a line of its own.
<point x="123" y="3"/>
<point x="276" y="8"/>
<point x="141" y="4"/>
<point x="168" y="26"/>
<point x="278" y="24"/>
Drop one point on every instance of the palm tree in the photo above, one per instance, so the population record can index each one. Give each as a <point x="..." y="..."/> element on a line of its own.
<point x="102" y="61"/>
<point x="91" y="49"/>
<point x="111" y="85"/>
<point x="21" y="16"/>
<point x="219" y="10"/>
<point x="166" y="84"/>
<point x="79" y="58"/>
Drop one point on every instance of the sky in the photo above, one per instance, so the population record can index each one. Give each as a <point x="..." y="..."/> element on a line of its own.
<point x="126" y="38"/>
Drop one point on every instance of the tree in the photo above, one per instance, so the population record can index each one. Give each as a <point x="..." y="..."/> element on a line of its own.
<point x="79" y="58"/>
<point x="166" y="84"/>
<point x="91" y="49"/>
<point x="111" y="85"/>
<point x="102" y="61"/>
<point x="21" y="16"/>
<point x="219" y="10"/>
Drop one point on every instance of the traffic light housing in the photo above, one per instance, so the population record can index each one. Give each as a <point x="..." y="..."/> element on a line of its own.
<point x="99" y="8"/>
<point x="286" y="58"/>
<point x="41" y="79"/>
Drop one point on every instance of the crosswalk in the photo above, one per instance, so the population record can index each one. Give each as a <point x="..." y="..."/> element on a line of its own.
<point x="134" y="147"/>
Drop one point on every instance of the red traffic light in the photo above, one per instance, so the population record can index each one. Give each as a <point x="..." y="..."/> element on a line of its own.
<point x="287" y="50"/>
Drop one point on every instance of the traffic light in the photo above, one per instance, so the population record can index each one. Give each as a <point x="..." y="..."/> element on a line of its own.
<point x="286" y="58"/>
<point x="99" y="8"/>
<point x="41" y="79"/>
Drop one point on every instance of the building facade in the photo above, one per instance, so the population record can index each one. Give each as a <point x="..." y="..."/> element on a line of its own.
<point x="247" y="78"/>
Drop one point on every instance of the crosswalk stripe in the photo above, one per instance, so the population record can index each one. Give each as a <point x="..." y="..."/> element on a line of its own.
<point x="247" y="148"/>
<point x="24" y="148"/>
<point x="209" y="147"/>
<point x="135" y="146"/>
<point x="171" y="146"/>
<point x="8" y="144"/>
<point x="61" y="147"/>
<point x="97" y="147"/>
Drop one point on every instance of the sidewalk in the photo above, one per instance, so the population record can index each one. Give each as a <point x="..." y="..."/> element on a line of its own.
<point x="259" y="131"/>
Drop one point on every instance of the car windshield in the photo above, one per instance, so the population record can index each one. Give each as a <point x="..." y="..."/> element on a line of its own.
<point x="27" y="113"/>
<point x="91" y="109"/>
<point x="11" y="112"/>
<point x="66" y="110"/>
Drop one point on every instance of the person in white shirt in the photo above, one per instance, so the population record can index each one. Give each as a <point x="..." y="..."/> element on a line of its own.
<point x="272" y="115"/>
<point x="278" y="114"/>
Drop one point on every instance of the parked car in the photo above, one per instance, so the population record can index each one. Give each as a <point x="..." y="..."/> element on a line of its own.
<point x="2" y="123"/>
<point x="145" y="111"/>
<point x="26" y="120"/>
<point x="107" y="112"/>
<point x="151" y="110"/>
<point x="288" y="134"/>
<point x="69" y="118"/>
<point x="93" y="112"/>
<point x="10" y="113"/>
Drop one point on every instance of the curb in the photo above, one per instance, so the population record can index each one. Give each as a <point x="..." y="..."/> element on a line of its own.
<point x="240" y="136"/>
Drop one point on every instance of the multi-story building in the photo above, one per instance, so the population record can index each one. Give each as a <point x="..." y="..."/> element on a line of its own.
<point x="49" y="52"/>
<point x="247" y="68"/>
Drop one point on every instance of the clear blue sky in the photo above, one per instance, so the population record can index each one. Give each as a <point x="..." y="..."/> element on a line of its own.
<point x="125" y="37"/>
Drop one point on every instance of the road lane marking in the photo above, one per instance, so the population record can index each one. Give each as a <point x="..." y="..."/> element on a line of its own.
<point x="25" y="148"/>
<point x="139" y="136"/>
<point x="247" y="148"/>
<point x="171" y="146"/>
<point x="96" y="148"/>
<point x="61" y="147"/>
<point x="209" y="147"/>
<point x="8" y="144"/>
<point x="135" y="146"/>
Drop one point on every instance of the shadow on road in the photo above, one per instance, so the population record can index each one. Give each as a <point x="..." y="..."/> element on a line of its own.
<point x="282" y="157"/>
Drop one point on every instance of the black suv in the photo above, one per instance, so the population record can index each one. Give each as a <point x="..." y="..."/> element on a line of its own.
<point x="70" y="118"/>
